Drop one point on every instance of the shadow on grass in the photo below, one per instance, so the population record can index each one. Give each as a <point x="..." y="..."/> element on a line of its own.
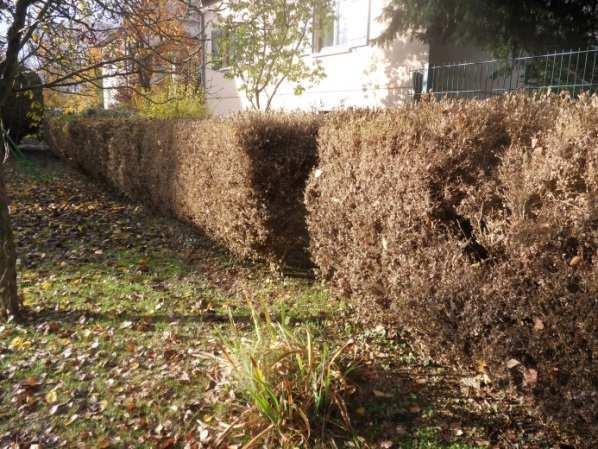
<point x="417" y="407"/>
<point x="148" y="321"/>
<point x="87" y="317"/>
<point x="61" y="206"/>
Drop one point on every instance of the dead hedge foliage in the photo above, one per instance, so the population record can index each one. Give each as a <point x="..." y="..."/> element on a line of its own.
<point x="474" y="226"/>
<point x="239" y="180"/>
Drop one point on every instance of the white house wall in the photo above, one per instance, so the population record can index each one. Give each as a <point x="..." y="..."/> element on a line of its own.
<point x="110" y="86"/>
<point x="366" y="75"/>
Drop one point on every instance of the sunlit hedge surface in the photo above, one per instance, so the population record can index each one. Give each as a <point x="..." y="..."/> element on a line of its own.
<point x="470" y="225"/>
<point x="473" y="225"/>
<point x="239" y="180"/>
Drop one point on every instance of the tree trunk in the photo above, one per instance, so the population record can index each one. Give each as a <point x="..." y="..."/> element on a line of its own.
<point x="9" y="300"/>
<point x="144" y="71"/>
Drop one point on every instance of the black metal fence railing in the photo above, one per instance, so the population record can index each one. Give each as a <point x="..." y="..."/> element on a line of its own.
<point x="574" y="71"/>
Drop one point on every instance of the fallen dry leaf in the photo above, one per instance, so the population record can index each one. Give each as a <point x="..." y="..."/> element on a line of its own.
<point x="51" y="397"/>
<point x="530" y="377"/>
<point x="72" y="419"/>
<point x="575" y="261"/>
<point x="512" y="363"/>
<point x="381" y="394"/>
<point x="538" y="325"/>
<point x="19" y="344"/>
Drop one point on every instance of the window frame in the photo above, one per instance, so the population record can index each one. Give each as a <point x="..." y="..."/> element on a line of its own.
<point x="219" y="62"/>
<point x="338" y="48"/>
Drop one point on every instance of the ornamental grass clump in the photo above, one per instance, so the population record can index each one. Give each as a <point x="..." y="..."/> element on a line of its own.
<point x="292" y="386"/>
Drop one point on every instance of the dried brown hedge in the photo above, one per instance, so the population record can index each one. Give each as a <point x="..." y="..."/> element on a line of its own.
<point x="240" y="180"/>
<point x="474" y="225"/>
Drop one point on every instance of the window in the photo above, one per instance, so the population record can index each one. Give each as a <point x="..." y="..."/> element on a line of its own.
<point x="348" y="26"/>
<point x="220" y="57"/>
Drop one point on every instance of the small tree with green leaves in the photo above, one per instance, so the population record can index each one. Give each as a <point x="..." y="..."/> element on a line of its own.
<point x="263" y="43"/>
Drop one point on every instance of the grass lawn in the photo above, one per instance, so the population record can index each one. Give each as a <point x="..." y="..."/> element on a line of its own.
<point x="127" y="312"/>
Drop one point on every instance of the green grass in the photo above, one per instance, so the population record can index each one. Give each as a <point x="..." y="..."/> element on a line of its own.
<point x="124" y="338"/>
<point x="91" y="342"/>
<point x="93" y="327"/>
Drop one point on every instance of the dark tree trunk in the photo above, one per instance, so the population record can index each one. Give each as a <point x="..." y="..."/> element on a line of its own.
<point x="144" y="70"/>
<point x="9" y="299"/>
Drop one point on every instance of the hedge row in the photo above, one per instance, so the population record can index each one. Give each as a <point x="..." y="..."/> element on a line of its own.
<point x="474" y="226"/>
<point x="240" y="181"/>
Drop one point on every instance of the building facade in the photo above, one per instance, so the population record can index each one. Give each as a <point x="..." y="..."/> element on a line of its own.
<point x="357" y="72"/>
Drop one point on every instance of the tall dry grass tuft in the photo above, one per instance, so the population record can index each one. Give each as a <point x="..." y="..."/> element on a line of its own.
<point x="294" y="386"/>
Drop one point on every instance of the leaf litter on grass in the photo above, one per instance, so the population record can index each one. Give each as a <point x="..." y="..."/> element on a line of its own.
<point x="126" y="312"/>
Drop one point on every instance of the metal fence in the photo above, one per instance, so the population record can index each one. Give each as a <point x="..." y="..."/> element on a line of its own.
<point x="574" y="71"/>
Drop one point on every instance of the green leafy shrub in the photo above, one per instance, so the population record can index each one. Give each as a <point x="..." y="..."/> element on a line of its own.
<point x="92" y="112"/>
<point x="171" y="101"/>
<point x="474" y="226"/>
<point x="294" y="387"/>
